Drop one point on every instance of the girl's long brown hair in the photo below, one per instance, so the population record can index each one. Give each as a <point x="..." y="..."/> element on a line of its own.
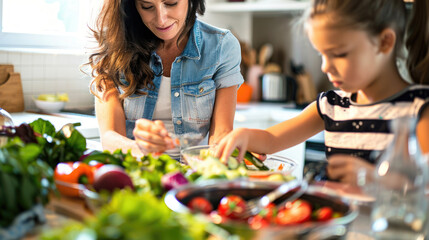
<point x="417" y="42"/>
<point x="125" y="45"/>
<point x="374" y="16"/>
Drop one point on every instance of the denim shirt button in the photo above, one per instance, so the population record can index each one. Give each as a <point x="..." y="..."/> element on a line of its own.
<point x="179" y="60"/>
<point x="176" y="94"/>
<point x="201" y="90"/>
<point x="178" y="122"/>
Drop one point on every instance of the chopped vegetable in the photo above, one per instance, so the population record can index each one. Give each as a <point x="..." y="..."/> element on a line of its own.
<point x="252" y="159"/>
<point x="173" y="180"/>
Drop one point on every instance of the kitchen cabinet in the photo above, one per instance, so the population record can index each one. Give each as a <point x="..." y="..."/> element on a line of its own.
<point x="276" y="22"/>
<point x="287" y="6"/>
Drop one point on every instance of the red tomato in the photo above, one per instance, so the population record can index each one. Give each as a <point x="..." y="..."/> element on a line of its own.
<point x="257" y="222"/>
<point x="232" y="206"/>
<point x="269" y="212"/>
<point x="298" y="211"/>
<point x="200" y="204"/>
<point x="323" y="214"/>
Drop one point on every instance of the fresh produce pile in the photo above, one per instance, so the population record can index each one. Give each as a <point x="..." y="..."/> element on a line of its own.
<point x="37" y="160"/>
<point x="232" y="208"/>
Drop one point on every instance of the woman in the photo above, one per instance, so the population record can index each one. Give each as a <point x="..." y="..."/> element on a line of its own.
<point x="160" y="71"/>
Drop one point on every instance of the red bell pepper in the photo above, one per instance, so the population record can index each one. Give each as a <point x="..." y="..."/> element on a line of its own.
<point x="69" y="174"/>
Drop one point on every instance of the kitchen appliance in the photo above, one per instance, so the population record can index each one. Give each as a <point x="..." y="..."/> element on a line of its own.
<point x="277" y="87"/>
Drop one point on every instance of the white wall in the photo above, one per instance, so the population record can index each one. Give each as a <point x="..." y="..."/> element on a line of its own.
<point x="51" y="73"/>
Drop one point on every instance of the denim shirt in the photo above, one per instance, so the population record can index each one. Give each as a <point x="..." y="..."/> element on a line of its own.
<point x="210" y="61"/>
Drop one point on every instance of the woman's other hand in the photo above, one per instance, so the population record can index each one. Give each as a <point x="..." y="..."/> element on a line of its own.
<point x="151" y="136"/>
<point x="347" y="169"/>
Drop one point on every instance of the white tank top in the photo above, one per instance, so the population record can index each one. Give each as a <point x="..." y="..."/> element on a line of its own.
<point x="163" y="111"/>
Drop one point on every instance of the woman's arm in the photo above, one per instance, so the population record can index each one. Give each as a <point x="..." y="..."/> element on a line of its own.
<point x="111" y="122"/>
<point x="222" y="121"/>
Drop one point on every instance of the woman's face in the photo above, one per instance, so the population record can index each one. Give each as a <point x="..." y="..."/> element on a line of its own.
<point x="165" y="18"/>
<point x="350" y="57"/>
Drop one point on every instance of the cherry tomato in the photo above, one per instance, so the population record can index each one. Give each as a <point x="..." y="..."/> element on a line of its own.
<point x="323" y="214"/>
<point x="257" y="222"/>
<point x="232" y="206"/>
<point x="200" y="204"/>
<point x="269" y="212"/>
<point x="298" y="211"/>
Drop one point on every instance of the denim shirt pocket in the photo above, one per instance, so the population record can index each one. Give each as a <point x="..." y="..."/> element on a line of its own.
<point x="134" y="106"/>
<point x="199" y="101"/>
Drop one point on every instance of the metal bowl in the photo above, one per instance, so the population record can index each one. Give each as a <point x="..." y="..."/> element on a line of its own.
<point x="177" y="199"/>
<point x="277" y="164"/>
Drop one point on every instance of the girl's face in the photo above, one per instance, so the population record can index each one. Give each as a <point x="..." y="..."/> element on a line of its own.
<point x="165" y="18"/>
<point x="350" y="57"/>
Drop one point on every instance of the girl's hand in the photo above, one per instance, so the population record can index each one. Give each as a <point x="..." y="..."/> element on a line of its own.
<point x="347" y="168"/>
<point x="238" y="138"/>
<point x="151" y="136"/>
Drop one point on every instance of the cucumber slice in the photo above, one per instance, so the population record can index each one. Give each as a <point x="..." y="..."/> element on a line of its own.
<point x="233" y="163"/>
<point x="252" y="159"/>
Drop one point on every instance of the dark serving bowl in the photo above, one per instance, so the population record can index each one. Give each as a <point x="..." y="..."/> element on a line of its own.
<point x="177" y="199"/>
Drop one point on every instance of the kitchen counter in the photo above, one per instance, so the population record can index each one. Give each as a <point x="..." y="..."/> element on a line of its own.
<point x="88" y="127"/>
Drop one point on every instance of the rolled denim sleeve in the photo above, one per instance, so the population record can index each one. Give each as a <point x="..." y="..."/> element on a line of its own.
<point x="228" y="73"/>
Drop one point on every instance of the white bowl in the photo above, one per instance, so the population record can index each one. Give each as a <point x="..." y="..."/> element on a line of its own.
<point x="48" y="106"/>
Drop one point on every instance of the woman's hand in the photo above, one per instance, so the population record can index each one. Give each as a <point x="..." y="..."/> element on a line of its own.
<point x="346" y="168"/>
<point x="151" y="136"/>
<point x="238" y="138"/>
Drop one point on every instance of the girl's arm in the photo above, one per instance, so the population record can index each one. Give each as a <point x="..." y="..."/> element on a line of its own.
<point x="273" y="139"/>
<point x="423" y="131"/>
<point x="294" y="131"/>
<point x="111" y="122"/>
<point x="223" y="113"/>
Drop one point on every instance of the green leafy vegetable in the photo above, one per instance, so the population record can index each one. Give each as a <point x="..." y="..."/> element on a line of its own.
<point x="25" y="179"/>
<point x="66" y="145"/>
<point x="132" y="215"/>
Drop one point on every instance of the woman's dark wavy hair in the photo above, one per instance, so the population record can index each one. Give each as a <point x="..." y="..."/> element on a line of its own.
<point x="374" y="16"/>
<point x="125" y="45"/>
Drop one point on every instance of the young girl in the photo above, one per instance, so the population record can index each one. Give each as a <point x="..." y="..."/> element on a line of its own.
<point x="359" y="42"/>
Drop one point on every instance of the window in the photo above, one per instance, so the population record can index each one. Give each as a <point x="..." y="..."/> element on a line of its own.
<point x="46" y="23"/>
